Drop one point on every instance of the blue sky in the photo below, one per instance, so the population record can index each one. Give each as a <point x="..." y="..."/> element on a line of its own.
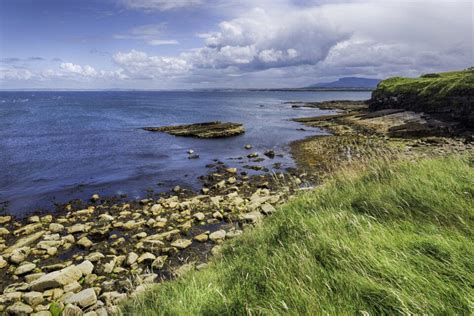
<point x="163" y="44"/>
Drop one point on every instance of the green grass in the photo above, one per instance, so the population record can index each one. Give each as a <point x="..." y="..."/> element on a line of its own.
<point x="439" y="86"/>
<point x="393" y="239"/>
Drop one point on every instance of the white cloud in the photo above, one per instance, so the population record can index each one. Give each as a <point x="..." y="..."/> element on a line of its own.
<point x="159" y="5"/>
<point x="15" y="74"/>
<point x="140" y="65"/>
<point x="86" y="71"/>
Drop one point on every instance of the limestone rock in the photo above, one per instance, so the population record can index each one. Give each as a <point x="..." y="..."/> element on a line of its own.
<point x="84" y="298"/>
<point x="24" y="268"/>
<point x="71" y="310"/>
<point x="33" y="298"/>
<point x="86" y="267"/>
<point x="181" y="243"/>
<point x="85" y="242"/>
<point x="19" y="308"/>
<point x="56" y="279"/>
<point x="217" y="236"/>
<point x="199" y="216"/>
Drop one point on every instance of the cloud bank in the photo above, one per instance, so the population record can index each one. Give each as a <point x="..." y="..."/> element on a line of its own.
<point x="293" y="43"/>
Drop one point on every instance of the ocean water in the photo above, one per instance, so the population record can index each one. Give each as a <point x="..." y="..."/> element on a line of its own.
<point x="56" y="146"/>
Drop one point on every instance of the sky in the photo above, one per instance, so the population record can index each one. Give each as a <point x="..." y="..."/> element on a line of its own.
<point x="192" y="44"/>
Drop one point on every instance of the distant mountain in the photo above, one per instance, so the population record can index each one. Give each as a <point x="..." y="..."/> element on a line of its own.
<point x="348" y="82"/>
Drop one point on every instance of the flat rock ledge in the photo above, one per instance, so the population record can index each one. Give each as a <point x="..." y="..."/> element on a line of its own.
<point x="215" y="129"/>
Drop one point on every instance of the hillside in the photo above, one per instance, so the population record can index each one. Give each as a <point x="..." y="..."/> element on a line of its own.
<point x="392" y="239"/>
<point x="349" y="82"/>
<point x="448" y="95"/>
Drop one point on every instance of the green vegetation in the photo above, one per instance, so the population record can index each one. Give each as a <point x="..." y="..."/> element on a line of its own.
<point x="441" y="85"/>
<point x="392" y="239"/>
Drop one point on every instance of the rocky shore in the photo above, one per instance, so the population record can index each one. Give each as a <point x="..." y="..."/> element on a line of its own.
<point x="202" y="130"/>
<point x="92" y="255"/>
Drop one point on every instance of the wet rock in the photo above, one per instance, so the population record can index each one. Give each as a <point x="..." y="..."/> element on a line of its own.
<point x="181" y="243"/>
<point x="56" y="279"/>
<point x="84" y="298"/>
<point x="248" y="146"/>
<point x="19" y="308"/>
<point x="193" y="156"/>
<point x="24" y="268"/>
<point x="252" y="155"/>
<point x="5" y="219"/>
<point x="217" y="236"/>
<point x="33" y="298"/>
<point x="231" y="170"/>
<point x="95" y="197"/>
<point x="201" y="237"/>
<point x="270" y="154"/>
<point x="202" y="130"/>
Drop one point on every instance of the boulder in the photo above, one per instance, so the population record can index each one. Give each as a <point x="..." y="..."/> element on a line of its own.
<point x="86" y="267"/>
<point x="217" y="236"/>
<point x="33" y="298"/>
<point x="19" y="308"/>
<point x="84" y="298"/>
<point x="25" y="241"/>
<point x="72" y="310"/>
<point x="56" y="279"/>
<point x="24" y="268"/>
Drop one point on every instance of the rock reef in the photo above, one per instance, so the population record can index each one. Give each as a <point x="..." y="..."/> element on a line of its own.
<point x="215" y="129"/>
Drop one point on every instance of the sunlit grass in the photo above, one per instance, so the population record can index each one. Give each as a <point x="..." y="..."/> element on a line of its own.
<point x="396" y="238"/>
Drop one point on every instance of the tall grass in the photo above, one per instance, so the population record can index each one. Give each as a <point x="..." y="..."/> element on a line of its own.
<point x="397" y="239"/>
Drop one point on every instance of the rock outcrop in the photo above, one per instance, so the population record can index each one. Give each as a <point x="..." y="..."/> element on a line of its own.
<point x="202" y="130"/>
<point x="447" y="96"/>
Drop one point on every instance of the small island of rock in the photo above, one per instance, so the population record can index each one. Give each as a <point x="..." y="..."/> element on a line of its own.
<point x="202" y="130"/>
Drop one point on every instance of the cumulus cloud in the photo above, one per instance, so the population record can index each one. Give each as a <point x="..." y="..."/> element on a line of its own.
<point x="86" y="71"/>
<point x="140" y="65"/>
<point x="159" y="5"/>
<point x="15" y="74"/>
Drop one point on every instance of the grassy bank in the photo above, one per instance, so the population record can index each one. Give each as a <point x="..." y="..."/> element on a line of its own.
<point x="394" y="239"/>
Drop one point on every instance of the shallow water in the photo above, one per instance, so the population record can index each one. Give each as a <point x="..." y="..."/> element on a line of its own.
<point x="56" y="146"/>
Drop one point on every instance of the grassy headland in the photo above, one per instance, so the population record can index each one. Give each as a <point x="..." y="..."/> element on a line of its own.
<point x="449" y="94"/>
<point x="394" y="238"/>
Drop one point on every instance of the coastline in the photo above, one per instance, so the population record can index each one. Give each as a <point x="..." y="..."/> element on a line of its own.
<point x="128" y="245"/>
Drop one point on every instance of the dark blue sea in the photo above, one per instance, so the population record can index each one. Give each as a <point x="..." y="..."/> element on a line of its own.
<point x="57" y="146"/>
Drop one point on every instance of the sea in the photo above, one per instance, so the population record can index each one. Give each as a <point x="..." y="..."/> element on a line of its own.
<point x="59" y="146"/>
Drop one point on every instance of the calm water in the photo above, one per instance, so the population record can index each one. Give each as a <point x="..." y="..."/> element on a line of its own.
<point x="55" y="146"/>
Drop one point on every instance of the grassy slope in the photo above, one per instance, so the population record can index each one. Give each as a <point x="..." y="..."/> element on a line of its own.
<point x="444" y="85"/>
<point x="396" y="239"/>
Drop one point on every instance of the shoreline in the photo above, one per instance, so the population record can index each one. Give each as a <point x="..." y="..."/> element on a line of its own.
<point x="127" y="245"/>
